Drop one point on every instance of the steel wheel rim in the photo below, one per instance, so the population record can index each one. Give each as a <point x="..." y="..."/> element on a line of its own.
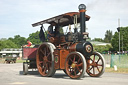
<point x="74" y="66"/>
<point x="95" y="65"/>
<point x="44" y="60"/>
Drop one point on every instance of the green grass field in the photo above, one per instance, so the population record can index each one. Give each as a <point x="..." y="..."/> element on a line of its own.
<point x="119" y="70"/>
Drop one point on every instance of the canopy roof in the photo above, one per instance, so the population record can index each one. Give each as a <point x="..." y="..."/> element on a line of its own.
<point x="62" y="20"/>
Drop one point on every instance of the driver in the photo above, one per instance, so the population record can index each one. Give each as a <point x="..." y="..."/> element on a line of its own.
<point x="56" y="32"/>
<point x="50" y="31"/>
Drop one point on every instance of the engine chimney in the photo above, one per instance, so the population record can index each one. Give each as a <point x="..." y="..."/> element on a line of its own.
<point x="82" y="9"/>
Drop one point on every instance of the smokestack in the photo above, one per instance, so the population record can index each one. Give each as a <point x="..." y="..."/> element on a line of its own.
<point x="82" y="10"/>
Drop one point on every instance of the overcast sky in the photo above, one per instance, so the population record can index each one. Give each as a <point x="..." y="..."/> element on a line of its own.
<point x="16" y="16"/>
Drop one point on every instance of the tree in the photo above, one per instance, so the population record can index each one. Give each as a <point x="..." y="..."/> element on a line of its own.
<point x="98" y="39"/>
<point x="115" y="41"/>
<point x="108" y="36"/>
<point x="123" y="38"/>
<point x="34" y="38"/>
<point x="102" y="48"/>
<point x="18" y="40"/>
<point x="4" y="43"/>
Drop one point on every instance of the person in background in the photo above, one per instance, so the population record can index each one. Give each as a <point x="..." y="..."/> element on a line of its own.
<point x="29" y="44"/>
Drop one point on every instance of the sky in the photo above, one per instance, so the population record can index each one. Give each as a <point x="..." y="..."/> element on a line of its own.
<point x="16" y="16"/>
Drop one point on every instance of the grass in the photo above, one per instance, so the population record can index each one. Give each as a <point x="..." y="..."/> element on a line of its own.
<point x="20" y="61"/>
<point x="119" y="70"/>
<point x="121" y="63"/>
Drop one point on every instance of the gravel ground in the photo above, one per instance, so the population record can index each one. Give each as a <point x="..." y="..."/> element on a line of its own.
<point x="12" y="74"/>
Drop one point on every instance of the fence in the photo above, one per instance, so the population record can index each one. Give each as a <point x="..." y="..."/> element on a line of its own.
<point x="107" y="58"/>
<point x="120" y="61"/>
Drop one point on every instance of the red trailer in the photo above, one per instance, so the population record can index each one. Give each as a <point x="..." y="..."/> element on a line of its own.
<point x="29" y="54"/>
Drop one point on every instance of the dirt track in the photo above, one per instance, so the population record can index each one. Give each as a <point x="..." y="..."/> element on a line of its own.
<point x="11" y="74"/>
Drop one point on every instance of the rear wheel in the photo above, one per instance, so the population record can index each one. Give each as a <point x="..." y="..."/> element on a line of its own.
<point x="45" y="59"/>
<point x="95" y="65"/>
<point x="75" y="65"/>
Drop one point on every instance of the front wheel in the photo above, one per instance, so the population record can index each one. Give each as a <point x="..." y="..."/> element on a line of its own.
<point x="95" y="65"/>
<point x="75" y="65"/>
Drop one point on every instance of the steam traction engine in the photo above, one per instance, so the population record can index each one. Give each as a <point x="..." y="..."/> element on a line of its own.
<point x="69" y="52"/>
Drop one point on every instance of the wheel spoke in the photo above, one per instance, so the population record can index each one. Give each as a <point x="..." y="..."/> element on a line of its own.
<point x="41" y="62"/>
<point x="79" y="64"/>
<point x="91" y="64"/>
<point x="45" y="51"/>
<point x="90" y="68"/>
<point x="79" y="69"/>
<point x="98" y="60"/>
<point x="70" y="59"/>
<point x="49" y="61"/>
<point x="78" y="60"/>
<point x="91" y="59"/>
<point x="94" y="58"/>
<point x="98" y="69"/>
<point x="46" y="48"/>
<point x="48" y="54"/>
<point x="74" y="72"/>
<point x="99" y="65"/>
<point x="74" y="59"/>
<point x="93" y="70"/>
<point x="42" y="52"/>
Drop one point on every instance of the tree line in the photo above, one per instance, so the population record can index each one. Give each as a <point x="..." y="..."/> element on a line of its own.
<point x="107" y="39"/>
<point x="114" y="40"/>
<point x="17" y="41"/>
